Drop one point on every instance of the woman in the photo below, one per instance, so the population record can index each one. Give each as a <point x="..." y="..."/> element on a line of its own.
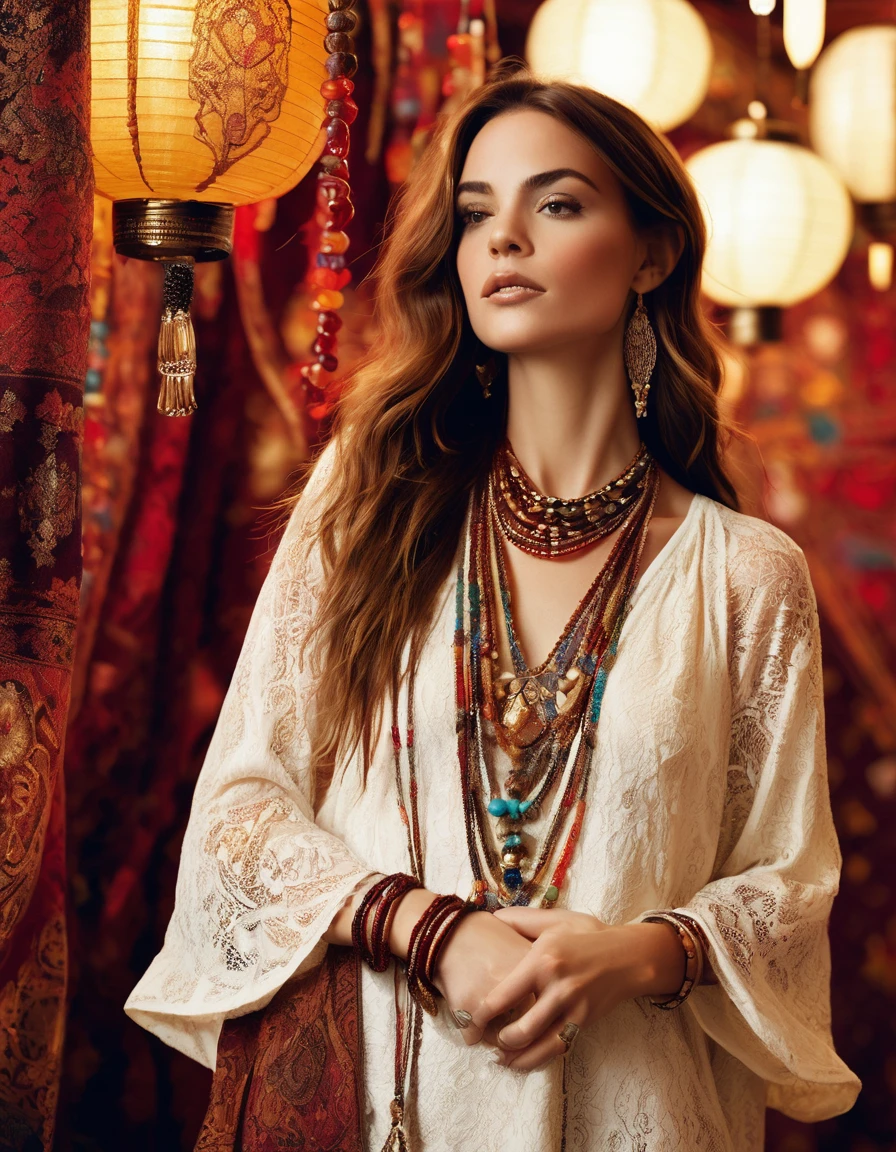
<point x="514" y="363"/>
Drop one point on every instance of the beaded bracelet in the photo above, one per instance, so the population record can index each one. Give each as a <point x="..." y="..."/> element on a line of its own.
<point x="430" y="934"/>
<point x="381" y="899"/>
<point x="693" y="950"/>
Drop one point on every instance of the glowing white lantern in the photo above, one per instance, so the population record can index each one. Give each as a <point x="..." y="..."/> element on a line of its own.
<point x="852" y="110"/>
<point x="655" y="56"/>
<point x="779" y="219"/>
<point x="803" y="31"/>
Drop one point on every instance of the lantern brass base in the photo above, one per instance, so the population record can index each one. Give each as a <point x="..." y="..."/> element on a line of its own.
<point x="880" y="219"/>
<point x="747" y="128"/>
<point x="168" y="229"/>
<point x="754" y="325"/>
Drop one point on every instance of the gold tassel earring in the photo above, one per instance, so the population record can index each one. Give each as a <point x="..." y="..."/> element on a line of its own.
<point x="640" y="355"/>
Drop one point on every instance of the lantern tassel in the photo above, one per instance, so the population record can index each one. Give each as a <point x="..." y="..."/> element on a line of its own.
<point x="177" y="343"/>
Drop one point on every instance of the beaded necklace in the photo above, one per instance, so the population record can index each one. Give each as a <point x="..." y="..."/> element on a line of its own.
<point x="551" y="526"/>
<point x="564" y="694"/>
<point x="537" y="715"/>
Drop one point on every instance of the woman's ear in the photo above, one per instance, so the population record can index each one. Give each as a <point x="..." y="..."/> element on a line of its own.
<point x="665" y="244"/>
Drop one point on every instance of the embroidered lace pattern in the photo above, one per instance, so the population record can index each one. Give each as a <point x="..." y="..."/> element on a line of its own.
<point x="709" y="795"/>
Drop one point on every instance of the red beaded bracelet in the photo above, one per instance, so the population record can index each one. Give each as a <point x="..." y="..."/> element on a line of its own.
<point x="430" y="934"/>
<point x="380" y="900"/>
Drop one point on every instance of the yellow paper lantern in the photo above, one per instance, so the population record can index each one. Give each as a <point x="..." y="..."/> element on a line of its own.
<point x="206" y="99"/>
<point x="655" y="56"/>
<point x="198" y="106"/>
<point x="779" y="218"/>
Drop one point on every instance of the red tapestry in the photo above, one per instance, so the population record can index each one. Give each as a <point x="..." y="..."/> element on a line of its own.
<point x="46" y="188"/>
<point x="289" y="1075"/>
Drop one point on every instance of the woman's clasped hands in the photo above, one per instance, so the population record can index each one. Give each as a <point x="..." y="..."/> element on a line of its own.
<point x="523" y="973"/>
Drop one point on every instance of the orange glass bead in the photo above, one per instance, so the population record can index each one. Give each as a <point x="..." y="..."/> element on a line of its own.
<point x="327" y="300"/>
<point x="334" y="243"/>
<point x="330" y="278"/>
<point x="334" y="89"/>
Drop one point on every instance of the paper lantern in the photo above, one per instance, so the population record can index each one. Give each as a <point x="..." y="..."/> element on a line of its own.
<point x="198" y="106"/>
<point x="655" y="56"/>
<point x="852" y="110"/>
<point x="804" y="22"/>
<point x="779" y="218"/>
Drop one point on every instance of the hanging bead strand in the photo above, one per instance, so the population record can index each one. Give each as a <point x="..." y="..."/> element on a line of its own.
<point x="334" y="209"/>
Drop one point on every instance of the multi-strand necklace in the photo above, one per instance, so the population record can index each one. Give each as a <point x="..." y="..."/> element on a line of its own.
<point x="550" y="526"/>
<point x="536" y="715"/>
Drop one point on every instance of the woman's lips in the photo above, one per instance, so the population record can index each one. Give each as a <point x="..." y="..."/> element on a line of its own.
<point x="513" y="295"/>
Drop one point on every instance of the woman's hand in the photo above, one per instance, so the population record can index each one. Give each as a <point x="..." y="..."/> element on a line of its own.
<point x="480" y="953"/>
<point x="578" y="969"/>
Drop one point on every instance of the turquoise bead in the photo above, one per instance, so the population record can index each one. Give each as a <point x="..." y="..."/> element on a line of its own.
<point x="513" y="809"/>
<point x="513" y="841"/>
<point x="497" y="807"/>
<point x="525" y="805"/>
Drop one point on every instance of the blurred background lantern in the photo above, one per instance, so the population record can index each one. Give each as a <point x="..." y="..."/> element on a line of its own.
<point x="198" y="106"/>
<point x="852" y="123"/>
<point x="655" y="56"/>
<point x="804" y="22"/>
<point x="779" y="220"/>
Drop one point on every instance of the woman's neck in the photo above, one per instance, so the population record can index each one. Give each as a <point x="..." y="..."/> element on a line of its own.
<point x="571" y="421"/>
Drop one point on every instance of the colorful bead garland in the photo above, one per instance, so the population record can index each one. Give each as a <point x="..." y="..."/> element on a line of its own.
<point x="334" y="211"/>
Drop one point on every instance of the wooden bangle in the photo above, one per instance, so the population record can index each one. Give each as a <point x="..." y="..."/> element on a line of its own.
<point x="693" y="967"/>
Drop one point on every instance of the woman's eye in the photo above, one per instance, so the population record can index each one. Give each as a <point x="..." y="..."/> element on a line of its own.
<point x="558" y="208"/>
<point x="570" y="206"/>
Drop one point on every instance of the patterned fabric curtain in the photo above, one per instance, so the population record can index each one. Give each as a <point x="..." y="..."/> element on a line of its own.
<point x="46" y="189"/>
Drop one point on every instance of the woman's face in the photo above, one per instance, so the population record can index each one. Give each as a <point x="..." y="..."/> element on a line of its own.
<point x="536" y="201"/>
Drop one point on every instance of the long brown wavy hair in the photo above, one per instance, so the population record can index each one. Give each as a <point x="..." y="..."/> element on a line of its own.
<point x="414" y="432"/>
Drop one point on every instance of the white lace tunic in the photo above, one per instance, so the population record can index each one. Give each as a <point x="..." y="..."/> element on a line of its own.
<point x="708" y="794"/>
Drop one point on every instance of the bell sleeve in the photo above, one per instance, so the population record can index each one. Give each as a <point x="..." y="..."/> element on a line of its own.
<point x="259" y="882"/>
<point x="765" y="912"/>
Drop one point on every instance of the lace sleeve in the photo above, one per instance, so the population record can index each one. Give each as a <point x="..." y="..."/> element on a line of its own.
<point x="259" y="881"/>
<point x="765" y="913"/>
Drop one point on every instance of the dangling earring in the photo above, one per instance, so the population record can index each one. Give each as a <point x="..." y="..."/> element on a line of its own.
<point x="485" y="373"/>
<point x="640" y="355"/>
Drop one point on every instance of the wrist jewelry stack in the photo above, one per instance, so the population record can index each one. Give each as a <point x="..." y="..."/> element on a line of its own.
<point x="692" y="942"/>
<point x="371" y="939"/>
<point x="429" y="937"/>
<point x="372" y="924"/>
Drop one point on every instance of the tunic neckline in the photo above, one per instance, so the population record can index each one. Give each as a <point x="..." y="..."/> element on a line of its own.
<point x="668" y="549"/>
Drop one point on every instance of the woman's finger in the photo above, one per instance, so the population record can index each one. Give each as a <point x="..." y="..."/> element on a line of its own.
<point x="532" y="1025"/>
<point x="544" y="1050"/>
<point x="515" y="986"/>
<point x="469" y="1031"/>
<point x="529" y="922"/>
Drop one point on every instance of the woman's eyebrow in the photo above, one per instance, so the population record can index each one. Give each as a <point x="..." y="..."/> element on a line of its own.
<point x="538" y="180"/>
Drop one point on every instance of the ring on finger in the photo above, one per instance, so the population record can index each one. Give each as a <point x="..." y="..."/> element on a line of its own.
<point x="461" y="1018"/>
<point x="568" y="1033"/>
